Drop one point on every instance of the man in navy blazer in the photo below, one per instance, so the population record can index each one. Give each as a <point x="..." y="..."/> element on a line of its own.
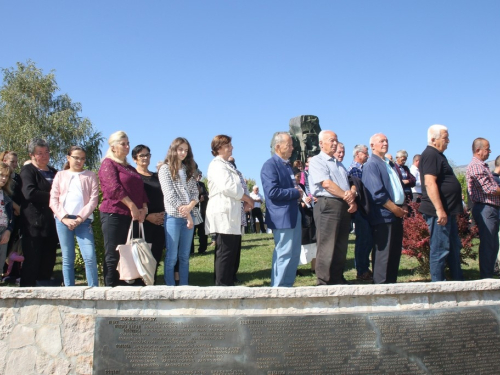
<point x="282" y="210"/>
<point x="387" y="208"/>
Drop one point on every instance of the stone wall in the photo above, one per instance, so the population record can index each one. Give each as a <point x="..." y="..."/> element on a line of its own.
<point x="51" y="330"/>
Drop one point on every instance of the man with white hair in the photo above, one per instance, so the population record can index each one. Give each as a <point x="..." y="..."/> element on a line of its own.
<point x="441" y="202"/>
<point x="256" y="210"/>
<point x="340" y="153"/>
<point x="485" y="193"/>
<point x="329" y="183"/>
<point x="282" y="210"/>
<point x="387" y="209"/>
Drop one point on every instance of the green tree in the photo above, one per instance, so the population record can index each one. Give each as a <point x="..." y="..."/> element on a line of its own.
<point x="30" y="108"/>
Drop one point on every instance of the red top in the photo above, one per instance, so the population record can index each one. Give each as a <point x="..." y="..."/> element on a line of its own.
<point x="117" y="182"/>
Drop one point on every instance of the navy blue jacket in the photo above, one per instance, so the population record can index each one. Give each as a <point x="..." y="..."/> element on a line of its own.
<point x="280" y="193"/>
<point x="377" y="182"/>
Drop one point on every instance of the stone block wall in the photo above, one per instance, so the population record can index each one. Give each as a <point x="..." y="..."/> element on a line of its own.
<point x="51" y="330"/>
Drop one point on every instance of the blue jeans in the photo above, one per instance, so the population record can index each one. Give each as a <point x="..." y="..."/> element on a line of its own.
<point x="286" y="254"/>
<point x="85" y="238"/>
<point x="363" y="244"/>
<point x="486" y="217"/>
<point x="179" y="239"/>
<point x="445" y="248"/>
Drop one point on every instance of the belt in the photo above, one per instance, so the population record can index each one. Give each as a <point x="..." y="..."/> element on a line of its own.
<point x="336" y="198"/>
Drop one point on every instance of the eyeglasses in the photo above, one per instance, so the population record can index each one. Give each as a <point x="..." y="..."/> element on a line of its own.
<point x="42" y="153"/>
<point x="76" y="158"/>
<point x="142" y="156"/>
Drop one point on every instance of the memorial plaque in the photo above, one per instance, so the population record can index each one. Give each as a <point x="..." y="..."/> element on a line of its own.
<point x="440" y="341"/>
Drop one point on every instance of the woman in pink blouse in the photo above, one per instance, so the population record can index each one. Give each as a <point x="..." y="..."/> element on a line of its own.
<point x="123" y="199"/>
<point x="73" y="198"/>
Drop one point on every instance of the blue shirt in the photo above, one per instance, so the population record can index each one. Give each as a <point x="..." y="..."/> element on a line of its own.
<point x="356" y="169"/>
<point x="323" y="167"/>
<point x="399" y="194"/>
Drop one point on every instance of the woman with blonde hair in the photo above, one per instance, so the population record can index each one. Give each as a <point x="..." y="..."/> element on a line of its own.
<point x="123" y="200"/>
<point x="180" y="192"/>
<point x="73" y="198"/>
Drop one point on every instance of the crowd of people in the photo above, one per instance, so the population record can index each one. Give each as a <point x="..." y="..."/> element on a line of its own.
<point x="315" y="202"/>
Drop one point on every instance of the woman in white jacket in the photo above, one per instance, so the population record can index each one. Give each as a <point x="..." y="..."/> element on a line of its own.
<point x="73" y="198"/>
<point x="223" y="216"/>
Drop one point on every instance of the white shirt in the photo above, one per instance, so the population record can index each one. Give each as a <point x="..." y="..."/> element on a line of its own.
<point x="418" y="184"/>
<point x="256" y="196"/>
<point x="73" y="203"/>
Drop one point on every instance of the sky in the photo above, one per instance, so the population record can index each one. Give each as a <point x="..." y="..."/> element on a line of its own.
<point x="163" y="69"/>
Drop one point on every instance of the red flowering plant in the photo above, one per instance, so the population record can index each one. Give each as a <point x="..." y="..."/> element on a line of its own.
<point x="416" y="238"/>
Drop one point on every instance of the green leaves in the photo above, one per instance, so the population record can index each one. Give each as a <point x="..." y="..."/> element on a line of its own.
<point x="29" y="108"/>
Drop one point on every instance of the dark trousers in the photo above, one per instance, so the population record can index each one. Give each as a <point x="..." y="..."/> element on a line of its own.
<point x="155" y="235"/>
<point x="39" y="258"/>
<point x="363" y="244"/>
<point x="202" y="237"/>
<point x="257" y="214"/>
<point x="225" y="258"/>
<point x="486" y="218"/>
<point x="237" y="259"/>
<point x="115" y="230"/>
<point x="333" y="224"/>
<point x="387" y="241"/>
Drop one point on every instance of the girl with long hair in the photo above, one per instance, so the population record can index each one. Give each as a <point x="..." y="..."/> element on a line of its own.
<point x="6" y="211"/>
<point x="180" y="191"/>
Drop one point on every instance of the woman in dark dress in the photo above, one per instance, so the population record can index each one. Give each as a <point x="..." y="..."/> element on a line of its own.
<point x="153" y="225"/>
<point x="39" y="227"/>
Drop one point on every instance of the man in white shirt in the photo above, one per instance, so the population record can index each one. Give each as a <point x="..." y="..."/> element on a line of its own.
<point x="256" y="211"/>
<point x="417" y="189"/>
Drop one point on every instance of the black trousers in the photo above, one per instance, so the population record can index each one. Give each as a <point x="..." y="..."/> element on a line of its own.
<point x="115" y="230"/>
<point x="225" y="258"/>
<point x="155" y="235"/>
<point x="237" y="259"/>
<point x="202" y="237"/>
<point x="39" y="258"/>
<point x="333" y="224"/>
<point x="387" y="241"/>
<point x="257" y="213"/>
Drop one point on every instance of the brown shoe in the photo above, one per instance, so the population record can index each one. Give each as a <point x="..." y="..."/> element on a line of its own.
<point x="367" y="276"/>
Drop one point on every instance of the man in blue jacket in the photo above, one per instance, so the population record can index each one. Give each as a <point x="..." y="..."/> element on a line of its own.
<point x="386" y="196"/>
<point x="282" y="211"/>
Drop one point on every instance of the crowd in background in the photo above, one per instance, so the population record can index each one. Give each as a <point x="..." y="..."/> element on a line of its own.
<point x="318" y="201"/>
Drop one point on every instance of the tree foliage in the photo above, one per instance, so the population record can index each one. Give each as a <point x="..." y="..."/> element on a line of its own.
<point x="30" y="108"/>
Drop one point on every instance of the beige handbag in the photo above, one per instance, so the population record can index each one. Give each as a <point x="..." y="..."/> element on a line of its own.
<point x="136" y="260"/>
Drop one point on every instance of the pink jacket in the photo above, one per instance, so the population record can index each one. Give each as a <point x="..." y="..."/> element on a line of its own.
<point x="90" y="190"/>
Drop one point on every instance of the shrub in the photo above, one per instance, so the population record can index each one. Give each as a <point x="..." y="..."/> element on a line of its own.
<point x="416" y="239"/>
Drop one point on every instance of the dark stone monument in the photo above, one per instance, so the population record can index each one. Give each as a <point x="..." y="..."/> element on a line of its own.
<point x="304" y="131"/>
<point x="439" y="341"/>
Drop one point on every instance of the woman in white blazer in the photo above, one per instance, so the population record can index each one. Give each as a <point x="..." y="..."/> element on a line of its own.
<point x="73" y="198"/>
<point x="223" y="217"/>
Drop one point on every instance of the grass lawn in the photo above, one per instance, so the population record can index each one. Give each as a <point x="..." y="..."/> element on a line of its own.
<point x="255" y="266"/>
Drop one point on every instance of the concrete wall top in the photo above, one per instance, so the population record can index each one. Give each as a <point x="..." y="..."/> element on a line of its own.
<point x="149" y="293"/>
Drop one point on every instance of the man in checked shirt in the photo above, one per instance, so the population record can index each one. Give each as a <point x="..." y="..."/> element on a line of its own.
<point x="485" y="195"/>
